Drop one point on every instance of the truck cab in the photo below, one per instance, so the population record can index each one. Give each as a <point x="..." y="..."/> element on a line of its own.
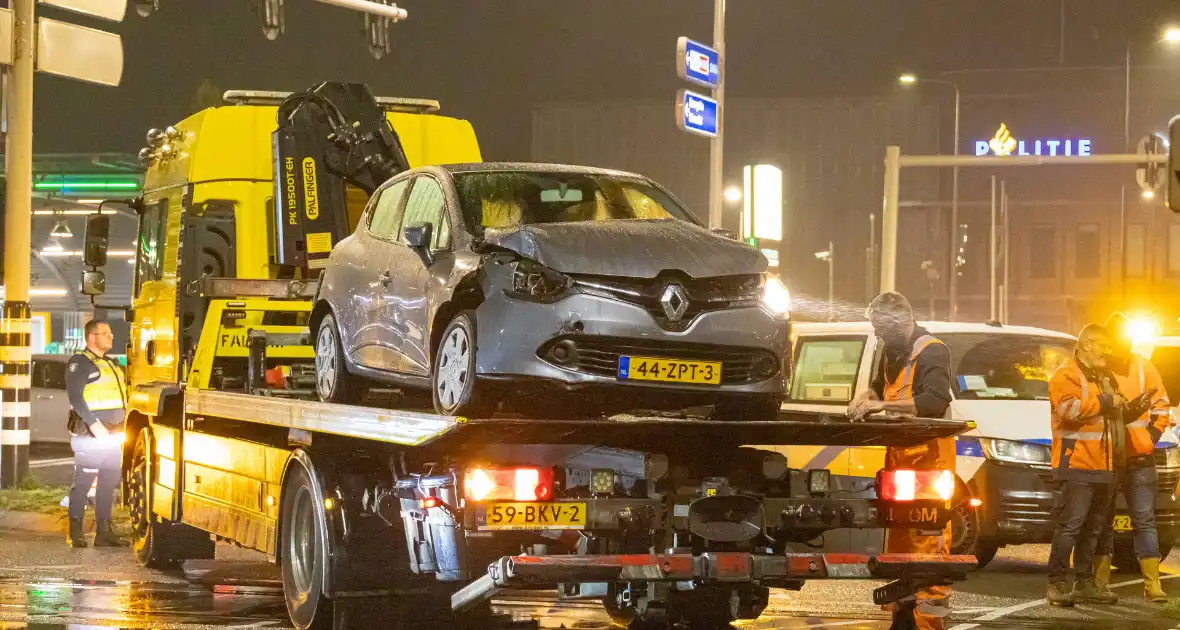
<point x="999" y="377"/>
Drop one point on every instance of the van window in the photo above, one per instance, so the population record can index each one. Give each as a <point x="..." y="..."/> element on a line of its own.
<point x="49" y="374"/>
<point x="1167" y="360"/>
<point x="1003" y="366"/>
<point x="826" y="369"/>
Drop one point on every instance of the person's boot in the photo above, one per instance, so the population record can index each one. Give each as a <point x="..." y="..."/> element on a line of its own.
<point x="77" y="533"/>
<point x="1153" y="591"/>
<point x="1088" y="591"/>
<point x="1060" y="594"/>
<point x="1102" y="566"/>
<point x="105" y="536"/>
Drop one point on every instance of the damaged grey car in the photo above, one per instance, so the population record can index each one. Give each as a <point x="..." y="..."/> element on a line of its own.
<point x="554" y="290"/>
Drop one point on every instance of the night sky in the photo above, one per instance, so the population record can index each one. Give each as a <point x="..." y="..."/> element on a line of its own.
<point x="491" y="60"/>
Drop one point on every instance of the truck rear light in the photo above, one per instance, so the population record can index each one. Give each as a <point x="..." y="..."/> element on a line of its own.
<point x="508" y="484"/>
<point x="915" y="485"/>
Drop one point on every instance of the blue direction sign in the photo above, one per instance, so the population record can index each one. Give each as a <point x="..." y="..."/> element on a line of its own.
<point x="697" y="63"/>
<point x="696" y="113"/>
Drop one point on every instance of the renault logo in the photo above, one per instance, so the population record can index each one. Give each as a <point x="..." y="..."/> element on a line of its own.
<point x="675" y="302"/>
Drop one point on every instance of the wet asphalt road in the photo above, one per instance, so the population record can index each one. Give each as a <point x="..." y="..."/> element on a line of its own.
<point x="44" y="585"/>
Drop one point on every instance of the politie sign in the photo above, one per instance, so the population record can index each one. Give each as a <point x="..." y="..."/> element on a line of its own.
<point x="697" y="63"/>
<point x="1004" y="143"/>
<point x="696" y="113"/>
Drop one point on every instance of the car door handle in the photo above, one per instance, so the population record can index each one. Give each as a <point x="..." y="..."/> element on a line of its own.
<point x="45" y="397"/>
<point x="386" y="278"/>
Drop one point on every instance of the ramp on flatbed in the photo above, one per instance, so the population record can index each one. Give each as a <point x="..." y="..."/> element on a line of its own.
<point x="410" y="428"/>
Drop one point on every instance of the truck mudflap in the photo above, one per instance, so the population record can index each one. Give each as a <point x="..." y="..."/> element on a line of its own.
<point x="909" y="572"/>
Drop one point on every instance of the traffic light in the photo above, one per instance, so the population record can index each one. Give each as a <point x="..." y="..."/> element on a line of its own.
<point x="1173" y="166"/>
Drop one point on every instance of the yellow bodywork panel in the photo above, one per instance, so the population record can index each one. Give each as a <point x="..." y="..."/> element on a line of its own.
<point x="221" y="341"/>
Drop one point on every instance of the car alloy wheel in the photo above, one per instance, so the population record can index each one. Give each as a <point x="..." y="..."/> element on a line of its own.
<point x="326" y="361"/>
<point x="454" y="369"/>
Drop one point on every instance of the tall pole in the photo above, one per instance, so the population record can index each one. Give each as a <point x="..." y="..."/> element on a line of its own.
<point x="15" y="323"/>
<point x="871" y="259"/>
<point x="991" y="253"/>
<point x="831" y="282"/>
<point x="889" y="218"/>
<point x="1127" y="102"/>
<point x="717" y="146"/>
<point x="952" y="308"/>
<point x="1005" y="212"/>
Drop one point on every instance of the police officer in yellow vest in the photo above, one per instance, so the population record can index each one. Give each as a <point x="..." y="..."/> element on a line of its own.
<point x="98" y="397"/>
<point x="913" y="379"/>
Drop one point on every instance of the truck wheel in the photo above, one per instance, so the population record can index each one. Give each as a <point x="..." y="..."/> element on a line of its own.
<point x="333" y="383"/>
<point x="156" y="542"/>
<point x="302" y="553"/>
<point x="453" y="383"/>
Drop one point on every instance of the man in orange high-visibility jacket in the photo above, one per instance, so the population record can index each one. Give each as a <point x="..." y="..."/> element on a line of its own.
<point x="1146" y="417"/>
<point x="1085" y="404"/>
<point x="912" y="379"/>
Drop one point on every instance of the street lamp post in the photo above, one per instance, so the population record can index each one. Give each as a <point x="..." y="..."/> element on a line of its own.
<point x="953" y="263"/>
<point x="827" y="256"/>
<point x="717" y="146"/>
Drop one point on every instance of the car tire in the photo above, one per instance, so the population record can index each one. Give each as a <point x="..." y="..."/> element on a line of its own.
<point x="333" y="383"/>
<point x="454" y="387"/>
<point x="748" y="408"/>
<point x="965" y="535"/>
<point x="156" y="542"/>
<point x="302" y="552"/>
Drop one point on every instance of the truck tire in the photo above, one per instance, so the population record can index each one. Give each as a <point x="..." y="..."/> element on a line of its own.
<point x="333" y="383"/>
<point x="302" y="553"/>
<point x="156" y="542"/>
<point x="453" y="384"/>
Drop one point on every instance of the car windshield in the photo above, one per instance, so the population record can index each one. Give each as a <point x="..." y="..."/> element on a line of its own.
<point x="1005" y="366"/>
<point x="1167" y="360"/>
<point x="509" y="199"/>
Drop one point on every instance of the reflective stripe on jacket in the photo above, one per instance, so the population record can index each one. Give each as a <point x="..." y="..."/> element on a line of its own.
<point x="1081" y="448"/>
<point x="939" y="454"/>
<point x="107" y="391"/>
<point x="1143" y="432"/>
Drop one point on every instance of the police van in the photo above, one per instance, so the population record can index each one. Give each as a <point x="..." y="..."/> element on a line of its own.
<point x="1000" y="380"/>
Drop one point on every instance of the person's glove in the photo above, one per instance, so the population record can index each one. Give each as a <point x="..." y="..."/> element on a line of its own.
<point x="1139" y="406"/>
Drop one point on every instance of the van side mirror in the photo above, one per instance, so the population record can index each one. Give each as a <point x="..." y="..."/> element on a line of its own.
<point x="94" y="283"/>
<point x="418" y="238"/>
<point x="94" y="248"/>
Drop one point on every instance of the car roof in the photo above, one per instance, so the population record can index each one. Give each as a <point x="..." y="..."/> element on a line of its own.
<point x="937" y="328"/>
<point x="535" y="167"/>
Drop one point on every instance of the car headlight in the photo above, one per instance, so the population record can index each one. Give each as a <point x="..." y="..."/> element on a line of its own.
<point x="534" y="281"/>
<point x="775" y="296"/>
<point x="1017" y="452"/>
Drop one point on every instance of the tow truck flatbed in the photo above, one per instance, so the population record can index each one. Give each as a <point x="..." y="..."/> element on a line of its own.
<point x="411" y="428"/>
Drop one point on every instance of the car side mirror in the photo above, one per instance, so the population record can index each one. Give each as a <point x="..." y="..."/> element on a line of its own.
<point x="94" y="283"/>
<point x="727" y="233"/>
<point x="418" y="238"/>
<point x="94" y="248"/>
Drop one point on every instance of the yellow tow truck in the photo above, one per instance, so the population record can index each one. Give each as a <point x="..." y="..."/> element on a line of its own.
<point x="225" y="439"/>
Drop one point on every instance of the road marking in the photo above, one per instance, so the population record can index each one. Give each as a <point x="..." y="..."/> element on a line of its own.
<point x="48" y="463"/>
<point x="1004" y="612"/>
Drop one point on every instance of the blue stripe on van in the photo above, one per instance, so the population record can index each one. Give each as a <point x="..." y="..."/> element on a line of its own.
<point x="1048" y="442"/>
<point x="968" y="447"/>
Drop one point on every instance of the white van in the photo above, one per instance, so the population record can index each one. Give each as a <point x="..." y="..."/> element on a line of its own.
<point x="999" y="380"/>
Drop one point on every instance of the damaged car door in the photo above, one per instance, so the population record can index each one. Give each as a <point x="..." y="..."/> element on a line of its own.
<point x="422" y="248"/>
<point x="370" y="343"/>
